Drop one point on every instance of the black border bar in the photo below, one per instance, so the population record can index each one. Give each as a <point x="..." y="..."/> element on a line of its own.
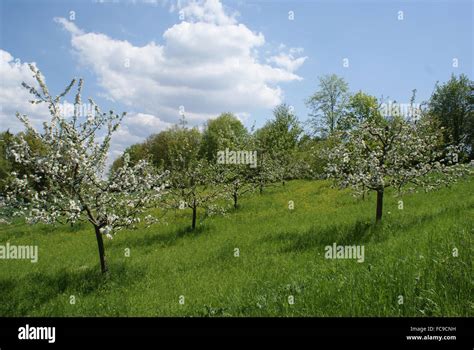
<point x="88" y="331"/>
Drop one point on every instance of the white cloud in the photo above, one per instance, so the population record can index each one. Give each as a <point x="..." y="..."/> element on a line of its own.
<point x="207" y="63"/>
<point x="210" y="11"/>
<point x="140" y="124"/>
<point x="15" y="98"/>
<point x="69" y="26"/>
<point x="135" y="127"/>
<point x="288" y="61"/>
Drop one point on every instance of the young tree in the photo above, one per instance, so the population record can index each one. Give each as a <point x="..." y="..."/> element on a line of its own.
<point x="72" y="169"/>
<point x="328" y="104"/>
<point x="194" y="187"/>
<point x="226" y="132"/>
<point x="393" y="153"/>
<point x="237" y="182"/>
<point x="238" y="179"/>
<point x="194" y="182"/>
<point x="266" y="172"/>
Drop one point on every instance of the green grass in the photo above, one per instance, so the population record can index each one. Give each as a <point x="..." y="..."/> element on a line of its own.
<point x="281" y="254"/>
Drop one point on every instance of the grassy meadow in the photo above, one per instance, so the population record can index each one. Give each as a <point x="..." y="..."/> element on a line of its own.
<point x="281" y="254"/>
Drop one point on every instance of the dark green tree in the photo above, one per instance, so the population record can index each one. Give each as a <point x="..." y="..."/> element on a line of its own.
<point x="451" y="104"/>
<point x="226" y="131"/>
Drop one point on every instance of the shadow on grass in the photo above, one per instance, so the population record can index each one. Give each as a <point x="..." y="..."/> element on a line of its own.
<point x="188" y="231"/>
<point x="413" y="220"/>
<point x="19" y="229"/>
<point x="358" y="233"/>
<point x="167" y="239"/>
<point x="21" y="296"/>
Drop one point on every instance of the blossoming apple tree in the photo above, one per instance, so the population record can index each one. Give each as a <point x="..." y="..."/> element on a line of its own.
<point x="72" y="170"/>
<point x="394" y="153"/>
<point x="196" y="186"/>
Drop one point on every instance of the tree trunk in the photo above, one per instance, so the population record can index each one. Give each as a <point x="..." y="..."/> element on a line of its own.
<point x="100" y="243"/>
<point x="194" y="217"/>
<point x="235" y="200"/>
<point x="378" y="215"/>
<point x="261" y="188"/>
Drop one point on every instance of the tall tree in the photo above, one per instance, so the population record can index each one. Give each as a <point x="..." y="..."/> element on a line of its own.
<point x="361" y="107"/>
<point x="6" y="139"/>
<point x="328" y="104"/>
<point x="226" y="131"/>
<point x="452" y="105"/>
<point x="136" y="152"/>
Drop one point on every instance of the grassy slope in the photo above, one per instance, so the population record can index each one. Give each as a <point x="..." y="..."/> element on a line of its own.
<point x="281" y="254"/>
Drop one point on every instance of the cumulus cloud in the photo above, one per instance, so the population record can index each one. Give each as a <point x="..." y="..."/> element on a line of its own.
<point x="15" y="98"/>
<point x="135" y="128"/>
<point x="210" y="11"/>
<point x="140" y="124"/>
<point x="206" y="63"/>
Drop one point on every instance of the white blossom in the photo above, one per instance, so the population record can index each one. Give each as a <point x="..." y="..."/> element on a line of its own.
<point x="394" y="153"/>
<point x="75" y="184"/>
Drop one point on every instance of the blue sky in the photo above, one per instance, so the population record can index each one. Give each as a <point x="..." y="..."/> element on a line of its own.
<point x="279" y="59"/>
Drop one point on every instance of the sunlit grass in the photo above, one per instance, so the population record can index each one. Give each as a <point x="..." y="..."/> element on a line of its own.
<point x="281" y="255"/>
